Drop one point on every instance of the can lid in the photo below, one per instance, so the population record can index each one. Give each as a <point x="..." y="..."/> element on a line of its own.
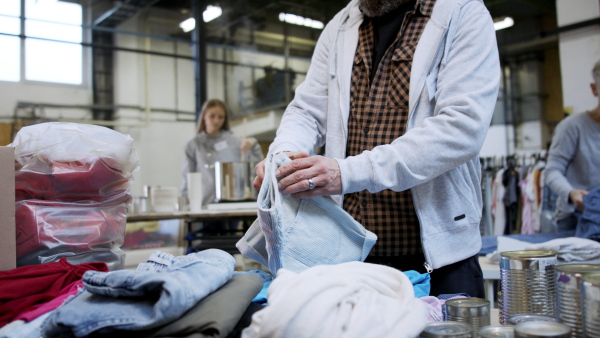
<point x="447" y="329"/>
<point x="592" y="278"/>
<point x="531" y="317"/>
<point x="528" y="254"/>
<point x="578" y="268"/>
<point x="537" y="329"/>
<point x="467" y="307"/>
<point x="506" y="331"/>
<point x="468" y="302"/>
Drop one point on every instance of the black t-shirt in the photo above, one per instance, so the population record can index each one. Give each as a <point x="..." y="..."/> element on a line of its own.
<point x="386" y="29"/>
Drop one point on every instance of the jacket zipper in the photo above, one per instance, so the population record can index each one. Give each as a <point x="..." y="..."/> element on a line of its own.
<point x="428" y="267"/>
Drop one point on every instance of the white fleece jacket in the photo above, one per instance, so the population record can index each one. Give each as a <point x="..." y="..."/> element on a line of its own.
<point x="454" y="84"/>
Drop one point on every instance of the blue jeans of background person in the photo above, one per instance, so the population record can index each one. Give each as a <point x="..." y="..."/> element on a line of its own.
<point x="589" y="222"/>
<point x="137" y="300"/>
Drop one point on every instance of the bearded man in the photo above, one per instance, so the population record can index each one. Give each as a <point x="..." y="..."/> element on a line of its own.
<point x="401" y="93"/>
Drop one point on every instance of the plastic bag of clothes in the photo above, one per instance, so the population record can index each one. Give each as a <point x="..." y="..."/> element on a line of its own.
<point x="71" y="191"/>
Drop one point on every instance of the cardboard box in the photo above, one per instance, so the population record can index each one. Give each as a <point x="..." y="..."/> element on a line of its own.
<point x="8" y="237"/>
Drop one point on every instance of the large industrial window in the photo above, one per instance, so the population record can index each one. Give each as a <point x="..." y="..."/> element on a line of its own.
<point x="51" y="50"/>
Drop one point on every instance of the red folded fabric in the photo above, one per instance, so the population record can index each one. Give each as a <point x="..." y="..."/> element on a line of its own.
<point x="74" y="226"/>
<point x="27" y="286"/>
<point x="37" y="310"/>
<point x="91" y="179"/>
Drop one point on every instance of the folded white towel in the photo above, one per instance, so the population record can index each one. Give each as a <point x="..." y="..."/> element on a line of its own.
<point x="353" y="299"/>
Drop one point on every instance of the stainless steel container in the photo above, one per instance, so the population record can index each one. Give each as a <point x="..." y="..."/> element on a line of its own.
<point x="234" y="181"/>
<point x="475" y="311"/>
<point x="590" y="293"/>
<point x="568" y="293"/>
<point x="526" y="317"/>
<point x="527" y="283"/>
<point x="492" y="331"/>
<point x="447" y="329"/>
<point x="536" y="329"/>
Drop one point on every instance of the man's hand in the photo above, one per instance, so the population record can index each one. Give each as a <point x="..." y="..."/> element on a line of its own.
<point x="296" y="177"/>
<point x="576" y="197"/>
<point x="259" y="169"/>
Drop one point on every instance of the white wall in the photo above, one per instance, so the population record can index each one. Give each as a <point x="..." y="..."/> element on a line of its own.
<point x="579" y="50"/>
<point x="499" y="141"/>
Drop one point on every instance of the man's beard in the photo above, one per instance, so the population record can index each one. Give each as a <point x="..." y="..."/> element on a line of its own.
<point x="374" y="8"/>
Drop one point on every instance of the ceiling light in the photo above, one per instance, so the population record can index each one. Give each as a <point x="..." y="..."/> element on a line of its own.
<point x="503" y="22"/>
<point x="301" y="21"/>
<point x="188" y="25"/>
<point x="211" y="13"/>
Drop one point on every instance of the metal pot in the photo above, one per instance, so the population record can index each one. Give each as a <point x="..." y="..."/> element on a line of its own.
<point x="234" y="181"/>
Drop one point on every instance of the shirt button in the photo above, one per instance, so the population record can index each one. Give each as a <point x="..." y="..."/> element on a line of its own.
<point x="366" y="130"/>
<point x="364" y="203"/>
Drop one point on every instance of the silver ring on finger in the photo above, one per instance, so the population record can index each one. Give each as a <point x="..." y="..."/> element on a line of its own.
<point x="311" y="184"/>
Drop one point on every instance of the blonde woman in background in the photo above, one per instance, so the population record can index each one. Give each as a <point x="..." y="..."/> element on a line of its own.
<point x="215" y="142"/>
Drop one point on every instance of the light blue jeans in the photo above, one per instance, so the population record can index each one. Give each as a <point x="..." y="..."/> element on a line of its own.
<point x="296" y="234"/>
<point x="159" y="292"/>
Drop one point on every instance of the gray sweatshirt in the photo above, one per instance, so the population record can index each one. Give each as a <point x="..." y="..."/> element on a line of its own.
<point x="453" y="89"/>
<point x="204" y="150"/>
<point x="573" y="159"/>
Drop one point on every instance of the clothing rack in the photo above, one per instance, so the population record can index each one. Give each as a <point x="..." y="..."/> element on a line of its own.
<point x="515" y="199"/>
<point x="523" y="159"/>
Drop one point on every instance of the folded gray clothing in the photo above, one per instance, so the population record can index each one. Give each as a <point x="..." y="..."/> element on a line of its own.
<point x="570" y="248"/>
<point x="214" y="316"/>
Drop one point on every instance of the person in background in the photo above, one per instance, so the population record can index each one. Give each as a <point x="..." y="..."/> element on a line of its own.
<point x="215" y="142"/>
<point x="401" y="93"/>
<point x="573" y="166"/>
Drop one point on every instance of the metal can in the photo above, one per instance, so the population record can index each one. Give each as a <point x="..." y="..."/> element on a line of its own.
<point x="493" y="331"/>
<point x="475" y="311"/>
<point x="590" y="293"/>
<point x="528" y="317"/>
<point x="527" y="283"/>
<point x="447" y="329"/>
<point x="537" y="329"/>
<point x="568" y="291"/>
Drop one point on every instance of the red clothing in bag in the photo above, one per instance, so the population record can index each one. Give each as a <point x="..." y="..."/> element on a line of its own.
<point x="26" y="286"/>
<point x="77" y="227"/>
<point x="88" y="179"/>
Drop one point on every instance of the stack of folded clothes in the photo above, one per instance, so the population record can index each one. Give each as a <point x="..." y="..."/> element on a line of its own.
<point x="71" y="191"/>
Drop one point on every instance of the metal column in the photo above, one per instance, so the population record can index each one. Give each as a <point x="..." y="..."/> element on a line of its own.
<point x="199" y="53"/>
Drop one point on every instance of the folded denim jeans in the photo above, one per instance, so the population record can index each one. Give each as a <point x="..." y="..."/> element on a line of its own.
<point x="297" y="233"/>
<point x="141" y="299"/>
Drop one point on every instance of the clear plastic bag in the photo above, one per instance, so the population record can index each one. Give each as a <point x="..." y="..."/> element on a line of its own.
<point x="72" y="189"/>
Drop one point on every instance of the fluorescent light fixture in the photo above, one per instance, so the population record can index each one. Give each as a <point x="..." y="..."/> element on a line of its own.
<point x="503" y="22"/>
<point x="301" y="21"/>
<point x="188" y="25"/>
<point x="211" y="13"/>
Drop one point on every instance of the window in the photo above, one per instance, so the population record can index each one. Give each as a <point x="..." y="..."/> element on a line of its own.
<point x="10" y="57"/>
<point x="52" y="50"/>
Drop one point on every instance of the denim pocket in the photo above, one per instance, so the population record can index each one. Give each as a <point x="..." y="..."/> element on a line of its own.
<point x="308" y="240"/>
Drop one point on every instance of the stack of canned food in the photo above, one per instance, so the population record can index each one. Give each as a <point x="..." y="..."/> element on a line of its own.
<point x="537" y="298"/>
